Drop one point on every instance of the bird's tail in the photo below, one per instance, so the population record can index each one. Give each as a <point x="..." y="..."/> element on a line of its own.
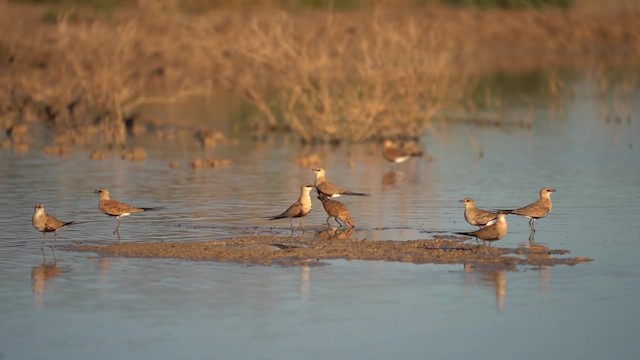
<point x="68" y="223"/>
<point x="356" y="193"/>
<point x="504" y="211"/>
<point x="462" y="233"/>
<point x="276" y="217"/>
<point x="153" y="208"/>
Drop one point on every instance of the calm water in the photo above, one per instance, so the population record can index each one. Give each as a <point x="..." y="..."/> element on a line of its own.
<point x="86" y="306"/>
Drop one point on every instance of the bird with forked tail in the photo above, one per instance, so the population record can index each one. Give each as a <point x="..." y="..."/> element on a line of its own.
<point x="45" y="223"/>
<point x="118" y="209"/>
<point x="536" y="210"/>
<point x="329" y="189"/>
<point x="490" y="233"/>
<point x="475" y="216"/>
<point x="300" y="208"/>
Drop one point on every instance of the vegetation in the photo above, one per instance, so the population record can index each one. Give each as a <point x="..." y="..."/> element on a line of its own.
<point x="328" y="76"/>
<point x="512" y="4"/>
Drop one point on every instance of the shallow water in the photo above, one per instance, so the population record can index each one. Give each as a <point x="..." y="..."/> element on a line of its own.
<point x="93" y="307"/>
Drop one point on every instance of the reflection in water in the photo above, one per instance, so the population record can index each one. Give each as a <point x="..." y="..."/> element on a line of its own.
<point x="305" y="282"/>
<point x="343" y="233"/>
<point x="490" y="277"/>
<point x="538" y="251"/>
<point x="390" y="178"/>
<point x="41" y="275"/>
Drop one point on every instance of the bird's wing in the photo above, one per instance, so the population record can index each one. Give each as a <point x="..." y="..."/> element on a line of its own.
<point x="113" y="207"/>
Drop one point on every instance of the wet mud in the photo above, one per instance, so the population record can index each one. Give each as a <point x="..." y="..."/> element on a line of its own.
<point x="329" y="245"/>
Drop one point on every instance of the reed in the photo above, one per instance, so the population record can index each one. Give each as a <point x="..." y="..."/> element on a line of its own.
<point x="327" y="76"/>
<point x="349" y="79"/>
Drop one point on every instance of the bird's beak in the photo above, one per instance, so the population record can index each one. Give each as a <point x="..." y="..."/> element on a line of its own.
<point x="552" y="190"/>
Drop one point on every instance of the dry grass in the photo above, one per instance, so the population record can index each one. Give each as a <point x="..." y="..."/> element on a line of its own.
<point x="327" y="76"/>
<point x="346" y="79"/>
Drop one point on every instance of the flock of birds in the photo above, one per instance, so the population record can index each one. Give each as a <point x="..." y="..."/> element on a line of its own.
<point x="492" y="224"/>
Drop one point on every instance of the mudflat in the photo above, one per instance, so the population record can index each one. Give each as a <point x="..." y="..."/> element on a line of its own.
<point x="298" y="251"/>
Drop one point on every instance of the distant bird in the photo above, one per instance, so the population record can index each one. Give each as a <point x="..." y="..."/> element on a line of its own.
<point x="492" y="232"/>
<point x="325" y="187"/>
<point x="395" y="154"/>
<point x="116" y="208"/>
<point x="475" y="216"/>
<point x="45" y="223"/>
<point x="536" y="210"/>
<point x="336" y="210"/>
<point x="300" y="208"/>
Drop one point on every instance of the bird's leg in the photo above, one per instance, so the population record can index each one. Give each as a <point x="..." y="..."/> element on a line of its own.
<point x="117" y="232"/>
<point x="53" y="251"/>
<point x="340" y="225"/>
<point x="531" y="237"/>
<point x="117" y="227"/>
<point x="532" y="224"/>
<point x="301" y="226"/>
<point x="44" y="237"/>
<point x="291" y="223"/>
<point x="328" y="225"/>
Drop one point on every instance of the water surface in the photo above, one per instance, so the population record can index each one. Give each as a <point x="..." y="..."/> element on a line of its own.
<point x="87" y="306"/>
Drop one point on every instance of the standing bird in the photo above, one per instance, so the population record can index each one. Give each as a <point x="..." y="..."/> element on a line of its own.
<point x="493" y="232"/>
<point x="300" y="208"/>
<point x="45" y="223"/>
<point x="396" y="155"/>
<point x="475" y="216"/>
<point x="116" y="208"/>
<point x="336" y="210"/>
<point x="536" y="210"/>
<point x="329" y="189"/>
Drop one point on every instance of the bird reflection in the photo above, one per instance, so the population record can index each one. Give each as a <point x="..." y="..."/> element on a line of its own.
<point x="391" y="178"/>
<point x="41" y="275"/>
<point x="305" y="282"/>
<point x="490" y="277"/>
<point x="542" y="252"/>
<point x="343" y="233"/>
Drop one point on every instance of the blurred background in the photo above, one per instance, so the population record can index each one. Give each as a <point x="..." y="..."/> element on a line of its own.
<point x="96" y="74"/>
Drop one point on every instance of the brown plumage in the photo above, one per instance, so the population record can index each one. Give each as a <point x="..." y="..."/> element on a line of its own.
<point x="300" y="208"/>
<point x="492" y="232"/>
<point x="475" y="216"/>
<point x="117" y="208"/>
<point x="45" y="223"/>
<point x="536" y="210"/>
<point x="336" y="210"/>
<point x="395" y="154"/>
<point x="331" y="190"/>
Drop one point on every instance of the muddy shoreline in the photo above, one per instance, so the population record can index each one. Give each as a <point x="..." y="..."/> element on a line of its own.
<point x="298" y="251"/>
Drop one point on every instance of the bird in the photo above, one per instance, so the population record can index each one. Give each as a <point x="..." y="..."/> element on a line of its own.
<point x="395" y="154"/>
<point x="336" y="210"/>
<point x="331" y="190"/>
<point x="493" y="232"/>
<point x="536" y="210"/>
<point x="118" y="209"/>
<point x="45" y="223"/>
<point x="475" y="216"/>
<point x="300" y="208"/>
